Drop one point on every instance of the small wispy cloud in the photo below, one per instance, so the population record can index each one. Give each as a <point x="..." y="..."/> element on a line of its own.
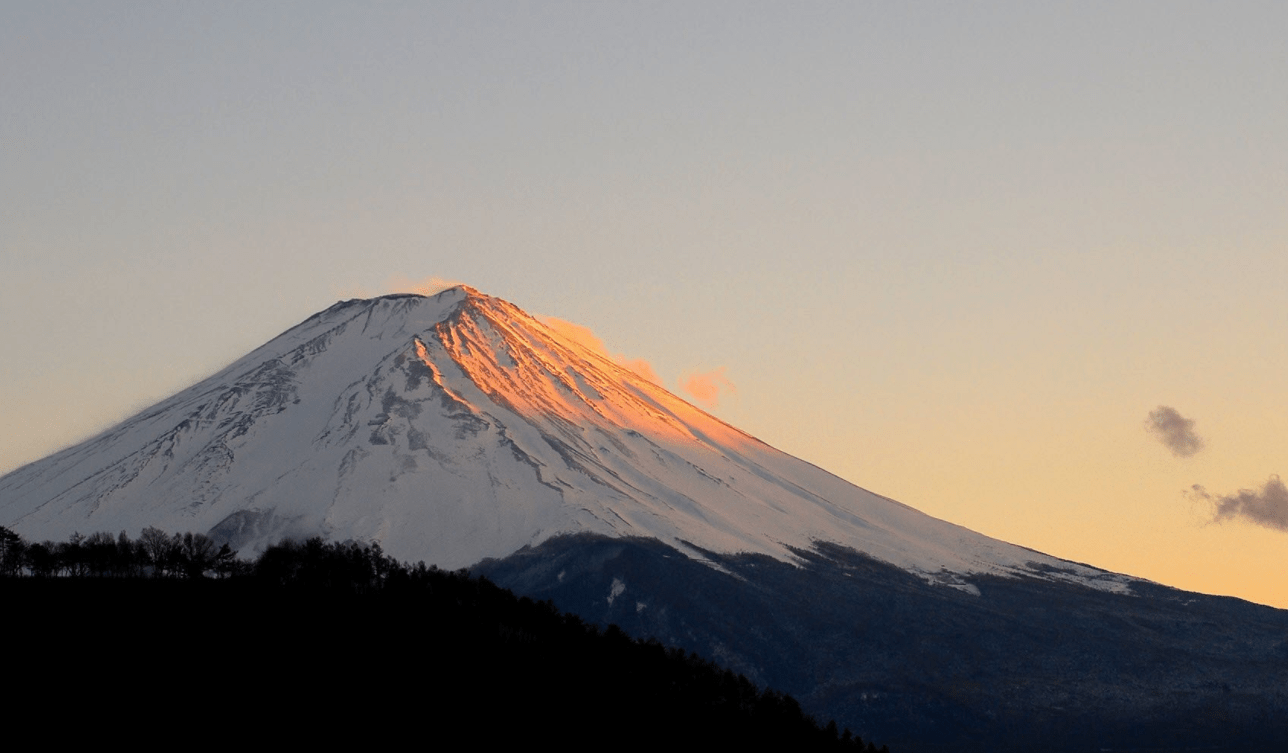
<point x="427" y="286"/>
<point x="586" y="338"/>
<point x="640" y="367"/>
<point x="1266" y="507"/>
<point x="1175" y="431"/>
<point x="581" y="335"/>
<point x="431" y="285"/>
<point x="707" y="388"/>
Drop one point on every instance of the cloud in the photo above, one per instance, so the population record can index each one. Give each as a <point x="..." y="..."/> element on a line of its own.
<point x="706" y="388"/>
<point x="1175" y="431"/>
<point x="577" y="333"/>
<point x="397" y="284"/>
<point x="589" y="340"/>
<point x="1267" y="507"/>
<point x="642" y="368"/>
<point x="431" y="285"/>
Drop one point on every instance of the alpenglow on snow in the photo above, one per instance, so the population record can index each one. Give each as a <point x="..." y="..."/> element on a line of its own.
<point x="456" y="427"/>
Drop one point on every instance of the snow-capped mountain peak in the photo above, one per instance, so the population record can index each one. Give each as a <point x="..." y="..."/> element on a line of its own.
<point x="456" y="427"/>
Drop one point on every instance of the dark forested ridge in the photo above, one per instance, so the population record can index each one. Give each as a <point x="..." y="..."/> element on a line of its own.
<point x="325" y="642"/>
<point x="1025" y="665"/>
<point x="334" y="641"/>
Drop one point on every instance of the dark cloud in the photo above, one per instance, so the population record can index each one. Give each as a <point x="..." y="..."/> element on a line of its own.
<point x="1267" y="507"/>
<point x="1174" y="430"/>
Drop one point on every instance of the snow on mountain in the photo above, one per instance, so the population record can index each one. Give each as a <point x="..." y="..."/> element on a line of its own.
<point x="457" y="427"/>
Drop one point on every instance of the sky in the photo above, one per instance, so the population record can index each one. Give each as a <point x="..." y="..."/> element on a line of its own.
<point x="1019" y="265"/>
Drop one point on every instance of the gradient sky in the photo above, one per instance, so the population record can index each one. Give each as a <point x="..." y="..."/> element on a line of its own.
<point x="955" y="253"/>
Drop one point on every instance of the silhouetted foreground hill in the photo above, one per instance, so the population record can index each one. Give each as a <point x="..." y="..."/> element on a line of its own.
<point x="332" y="642"/>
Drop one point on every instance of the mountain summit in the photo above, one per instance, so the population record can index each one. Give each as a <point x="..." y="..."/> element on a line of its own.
<point x="456" y="427"/>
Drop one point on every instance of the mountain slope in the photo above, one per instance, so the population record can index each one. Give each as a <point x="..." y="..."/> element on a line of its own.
<point x="457" y="427"/>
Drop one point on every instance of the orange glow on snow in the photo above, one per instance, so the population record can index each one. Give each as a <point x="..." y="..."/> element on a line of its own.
<point x="533" y="369"/>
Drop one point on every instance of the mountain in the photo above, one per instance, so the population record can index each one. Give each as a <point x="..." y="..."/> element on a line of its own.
<point x="457" y="427"/>
<point x="459" y="430"/>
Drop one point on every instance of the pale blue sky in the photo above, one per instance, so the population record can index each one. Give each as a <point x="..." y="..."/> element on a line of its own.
<point x="952" y="252"/>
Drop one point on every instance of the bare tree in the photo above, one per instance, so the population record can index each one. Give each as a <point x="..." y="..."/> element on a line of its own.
<point x="197" y="554"/>
<point x="159" y="549"/>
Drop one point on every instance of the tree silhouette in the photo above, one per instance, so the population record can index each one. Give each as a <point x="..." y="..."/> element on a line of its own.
<point x="159" y="549"/>
<point x="12" y="551"/>
<point x="197" y="554"/>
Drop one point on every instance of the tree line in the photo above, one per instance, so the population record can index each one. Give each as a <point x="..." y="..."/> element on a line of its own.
<point x="101" y="555"/>
<point x="343" y="623"/>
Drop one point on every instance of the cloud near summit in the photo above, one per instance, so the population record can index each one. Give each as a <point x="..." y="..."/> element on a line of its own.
<point x="706" y="388"/>
<point x="584" y="337"/>
<point x="398" y="284"/>
<point x="431" y="285"/>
